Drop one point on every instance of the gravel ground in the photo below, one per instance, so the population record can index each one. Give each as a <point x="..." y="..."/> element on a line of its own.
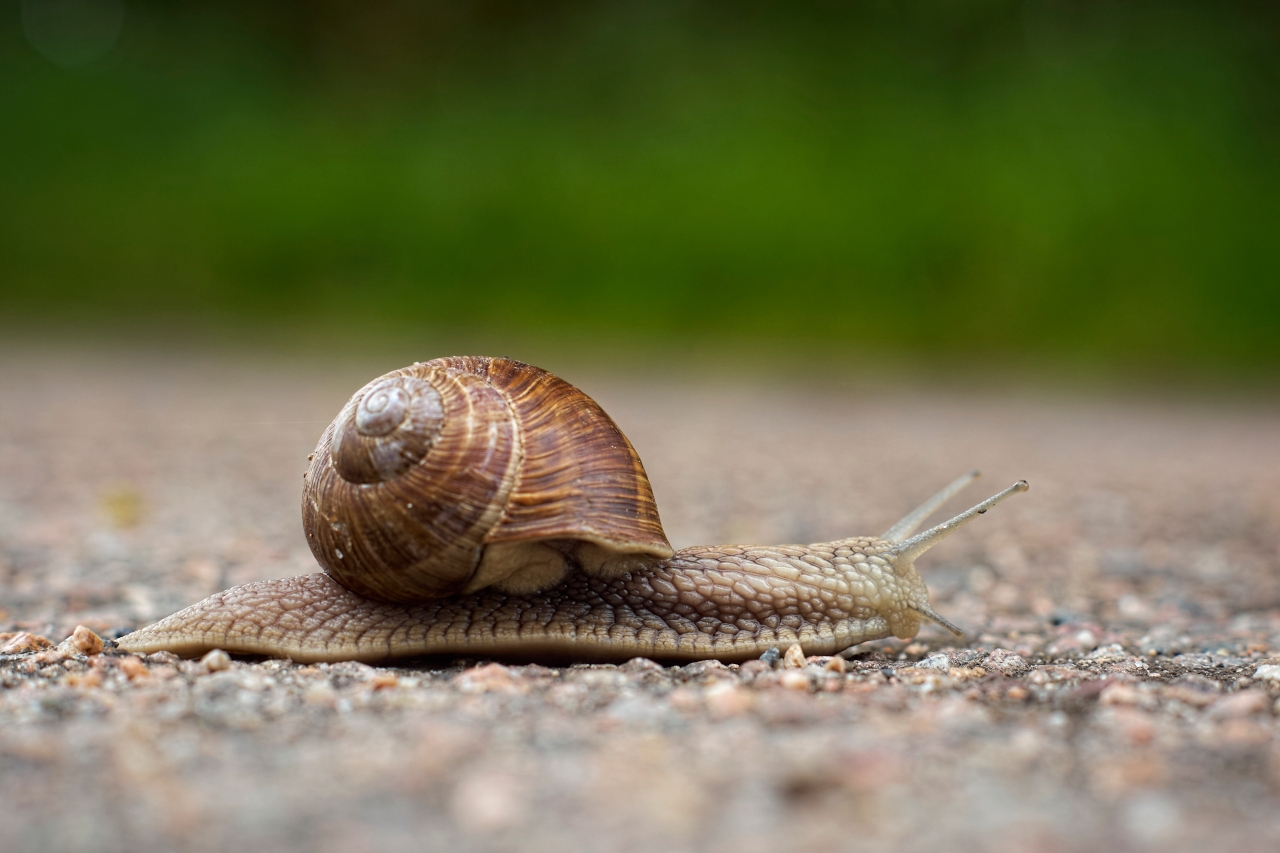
<point x="1118" y="688"/>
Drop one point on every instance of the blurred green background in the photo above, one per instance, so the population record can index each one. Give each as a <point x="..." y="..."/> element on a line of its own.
<point x="1094" y="181"/>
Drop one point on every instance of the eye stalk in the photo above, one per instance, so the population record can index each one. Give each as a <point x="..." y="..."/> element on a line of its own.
<point x="902" y="556"/>
<point x="911" y="548"/>
<point x="929" y="613"/>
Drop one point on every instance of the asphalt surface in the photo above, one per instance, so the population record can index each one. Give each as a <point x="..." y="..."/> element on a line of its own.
<point x="1112" y="692"/>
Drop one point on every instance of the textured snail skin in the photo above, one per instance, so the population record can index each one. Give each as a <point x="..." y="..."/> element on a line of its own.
<point x="725" y="602"/>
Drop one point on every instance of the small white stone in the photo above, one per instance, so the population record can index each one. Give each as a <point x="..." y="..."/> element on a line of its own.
<point x="936" y="661"/>
<point x="794" y="679"/>
<point x="1114" y="651"/>
<point x="1267" y="672"/>
<point x="216" y="660"/>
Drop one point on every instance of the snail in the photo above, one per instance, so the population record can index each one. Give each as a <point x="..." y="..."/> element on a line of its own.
<point x="475" y="505"/>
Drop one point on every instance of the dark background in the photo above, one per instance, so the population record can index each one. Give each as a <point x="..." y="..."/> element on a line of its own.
<point x="1091" y="183"/>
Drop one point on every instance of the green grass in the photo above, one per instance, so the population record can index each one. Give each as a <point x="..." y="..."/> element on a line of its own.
<point x="936" y="179"/>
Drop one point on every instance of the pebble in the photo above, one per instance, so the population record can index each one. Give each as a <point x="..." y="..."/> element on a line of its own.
<point x="133" y="667"/>
<point x="1114" y="651"/>
<point x="164" y="672"/>
<point x="54" y="655"/>
<point x="1267" y="672"/>
<point x="1006" y="662"/>
<point x="794" y="658"/>
<point x="936" y="661"/>
<point x="793" y="679"/>
<point x="93" y="678"/>
<point x="216" y="660"/>
<point x="85" y="641"/>
<point x="487" y="678"/>
<point x="726" y="699"/>
<point x="22" y="642"/>
<point x="705" y="668"/>
<point x="641" y="665"/>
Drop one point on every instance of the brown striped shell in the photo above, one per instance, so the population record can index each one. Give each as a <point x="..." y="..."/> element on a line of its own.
<point x="466" y="472"/>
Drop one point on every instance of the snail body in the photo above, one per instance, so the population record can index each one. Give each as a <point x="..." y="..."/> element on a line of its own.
<point x="484" y="506"/>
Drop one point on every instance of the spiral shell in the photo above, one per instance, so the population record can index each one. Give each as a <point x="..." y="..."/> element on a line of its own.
<point x="461" y="473"/>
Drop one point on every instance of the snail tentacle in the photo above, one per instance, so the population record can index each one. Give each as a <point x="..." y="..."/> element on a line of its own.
<point x="909" y="549"/>
<point x="916" y="517"/>
<point x="933" y="615"/>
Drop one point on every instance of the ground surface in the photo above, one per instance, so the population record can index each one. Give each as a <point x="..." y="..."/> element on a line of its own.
<point x="1111" y="693"/>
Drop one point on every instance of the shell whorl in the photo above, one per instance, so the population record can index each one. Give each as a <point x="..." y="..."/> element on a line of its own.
<point x="386" y="429"/>
<point x="460" y="473"/>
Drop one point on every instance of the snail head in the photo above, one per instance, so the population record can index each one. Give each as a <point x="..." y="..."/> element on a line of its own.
<point x="905" y="548"/>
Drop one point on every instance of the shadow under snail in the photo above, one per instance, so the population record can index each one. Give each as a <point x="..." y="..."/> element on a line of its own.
<point x="475" y="505"/>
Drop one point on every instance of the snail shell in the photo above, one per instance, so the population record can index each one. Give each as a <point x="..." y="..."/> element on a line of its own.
<point x="453" y="475"/>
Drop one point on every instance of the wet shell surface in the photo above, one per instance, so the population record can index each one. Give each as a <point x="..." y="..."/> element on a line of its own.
<point x="453" y="475"/>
